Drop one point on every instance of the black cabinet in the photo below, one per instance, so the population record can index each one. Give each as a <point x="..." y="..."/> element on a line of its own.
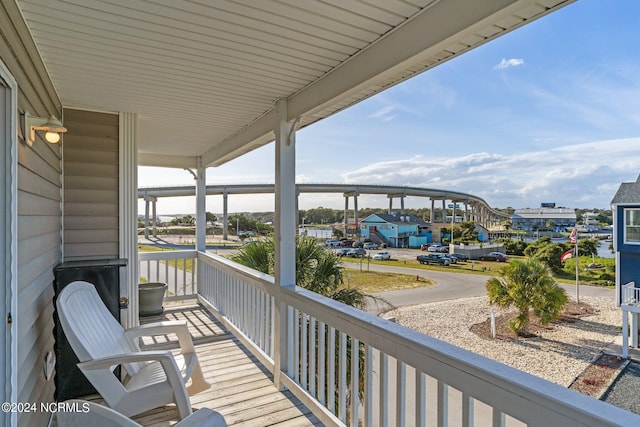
<point x="105" y="276"/>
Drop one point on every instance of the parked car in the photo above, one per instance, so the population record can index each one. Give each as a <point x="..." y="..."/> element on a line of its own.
<point x="433" y="259"/>
<point x="343" y="252"/>
<point x="357" y="253"/>
<point x="332" y="243"/>
<point x="493" y="256"/>
<point x="357" y="244"/>
<point x="425" y="246"/>
<point x="346" y="243"/>
<point x="382" y="255"/>
<point x="459" y="257"/>
<point x="434" y="247"/>
<point x="370" y="245"/>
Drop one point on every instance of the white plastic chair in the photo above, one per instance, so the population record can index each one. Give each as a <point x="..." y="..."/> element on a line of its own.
<point x="87" y="413"/>
<point x="154" y="378"/>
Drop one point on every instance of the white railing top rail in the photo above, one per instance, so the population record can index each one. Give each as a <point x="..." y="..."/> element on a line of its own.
<point x="253" y="277"/>
<point x="166" y="255"/>
<point x="523" y="396"/>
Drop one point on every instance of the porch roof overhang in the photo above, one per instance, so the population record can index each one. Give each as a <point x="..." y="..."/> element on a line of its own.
<point x="203" y="76"/>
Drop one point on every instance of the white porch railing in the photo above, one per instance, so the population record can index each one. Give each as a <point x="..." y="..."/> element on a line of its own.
<point x="175" y="268"/>
<point x="630" y="294"/>
<point x="402" y="377"/>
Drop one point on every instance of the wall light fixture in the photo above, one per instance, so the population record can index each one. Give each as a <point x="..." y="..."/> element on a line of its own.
<point x="52" y="126"/>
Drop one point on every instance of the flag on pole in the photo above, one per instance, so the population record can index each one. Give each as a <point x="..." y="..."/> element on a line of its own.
<point x="573" y="235"/>
<point x="565" y="256"/>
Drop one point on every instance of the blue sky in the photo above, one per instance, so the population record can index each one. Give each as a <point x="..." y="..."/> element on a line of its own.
<point x="548" y="113"/>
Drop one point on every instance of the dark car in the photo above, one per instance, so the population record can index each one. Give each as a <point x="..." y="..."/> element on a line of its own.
<point x="357" y="245"/>
<point x="424" y="246"/>
<point x="357" y="253"/>
<point x="493" y="256"/>
<point x="459" y="257"/>
<point x="343" y="252"/>
<point x="346" y="243"/>
<point x="433" y="259"/>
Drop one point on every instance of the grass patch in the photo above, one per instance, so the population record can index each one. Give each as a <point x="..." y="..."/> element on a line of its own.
<point x="490" y="268"/>
<point x="153" y="248"/>
<point x="372" y="282"/>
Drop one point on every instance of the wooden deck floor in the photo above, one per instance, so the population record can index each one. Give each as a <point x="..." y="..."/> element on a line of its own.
<point x="241" y="388"/>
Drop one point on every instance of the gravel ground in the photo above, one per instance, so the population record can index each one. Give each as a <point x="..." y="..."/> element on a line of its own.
<point x="625" y="390"/>
<point x="558" y="355"/>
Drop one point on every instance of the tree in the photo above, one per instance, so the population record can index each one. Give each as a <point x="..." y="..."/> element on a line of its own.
<point x="316" y="269"/>
<point x="527" y="285"/>
<point x="211" y="218"/>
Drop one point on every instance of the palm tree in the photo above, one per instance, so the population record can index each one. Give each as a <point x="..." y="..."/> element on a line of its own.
<point x="527" y="285"/>
<point x="316" y="269"/>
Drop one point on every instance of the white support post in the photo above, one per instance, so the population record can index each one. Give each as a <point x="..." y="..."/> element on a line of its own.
<point x="225" y="216"/>
<point x="128" y="213"/>
<point x="146" y="217"/>
<point x="201" y="206"/>
<point x="154" y="214"/>
<point x="625" y="334"/>
<point x="285" y="229"/>
<point x="634" y="329"/>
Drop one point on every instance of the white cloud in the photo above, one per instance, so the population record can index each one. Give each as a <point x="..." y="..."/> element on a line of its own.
<point x="581" y="175"/>
<point x="506" y="63"/>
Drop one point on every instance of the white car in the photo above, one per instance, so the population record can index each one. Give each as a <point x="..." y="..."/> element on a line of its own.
<point x="382" y="255"/>
<point x="370" y="245"/>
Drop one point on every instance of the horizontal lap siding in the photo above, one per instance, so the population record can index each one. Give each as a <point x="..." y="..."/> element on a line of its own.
<point x="39" y="215"/>
<point x="90" y="185"/>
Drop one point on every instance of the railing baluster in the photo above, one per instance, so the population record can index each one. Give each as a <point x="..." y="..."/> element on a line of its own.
<point x="467" y="410"/>
<point x="304" y="350"/>
<point x="443" y="404"/>
<point x="499" y="419"/>
<point x="322" y="363"/>
<point x="384" y="389"/>
<point x="296" y="345"/>
<point x="331" y="392"/>
<point x="343" y="377"/>
<point x="421" y="394"/>
<point x="401" y="385"/>
<point x="355" y="380"/>
<point x="368" y="397"/>
<point x="312" y="357"/>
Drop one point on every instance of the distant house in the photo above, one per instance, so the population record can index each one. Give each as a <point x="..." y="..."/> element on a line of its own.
<point x="557" y="219"/>
<point x="396" y="230"/>
<point x="626" y="243"/>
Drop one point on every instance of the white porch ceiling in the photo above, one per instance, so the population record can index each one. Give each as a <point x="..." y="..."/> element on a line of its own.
<point x="203" y="75"/>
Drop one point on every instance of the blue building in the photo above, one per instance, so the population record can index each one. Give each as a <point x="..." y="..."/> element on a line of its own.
<point x="396" y="230"/>
<point x="626" y="242"/>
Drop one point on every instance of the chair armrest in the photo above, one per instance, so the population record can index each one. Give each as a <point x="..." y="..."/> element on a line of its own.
<point x="178" y="327"/>
<point x="139" y="356"/>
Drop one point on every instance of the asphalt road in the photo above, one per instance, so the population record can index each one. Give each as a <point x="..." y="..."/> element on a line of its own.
<point x="449" y="286"/>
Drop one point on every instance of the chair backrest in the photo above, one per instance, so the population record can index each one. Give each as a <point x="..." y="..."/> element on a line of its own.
<point x="90" y="328"/>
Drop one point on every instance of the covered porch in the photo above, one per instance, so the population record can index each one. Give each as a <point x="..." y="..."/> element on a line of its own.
<point x="194" y="85"/>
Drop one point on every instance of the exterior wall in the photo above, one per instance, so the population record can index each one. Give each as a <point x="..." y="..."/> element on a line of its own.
<point x="90" y="185"/>
<point x="39" y="215"/>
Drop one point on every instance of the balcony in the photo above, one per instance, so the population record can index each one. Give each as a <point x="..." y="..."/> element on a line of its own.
<point x="302" y="342"/>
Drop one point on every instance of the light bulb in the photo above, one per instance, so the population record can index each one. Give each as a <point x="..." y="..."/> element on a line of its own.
<point x="52" y="137"/>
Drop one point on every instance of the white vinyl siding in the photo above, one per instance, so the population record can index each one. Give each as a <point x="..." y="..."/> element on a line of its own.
<point x="90" y="185"/>
<point x="39" y="217"/>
